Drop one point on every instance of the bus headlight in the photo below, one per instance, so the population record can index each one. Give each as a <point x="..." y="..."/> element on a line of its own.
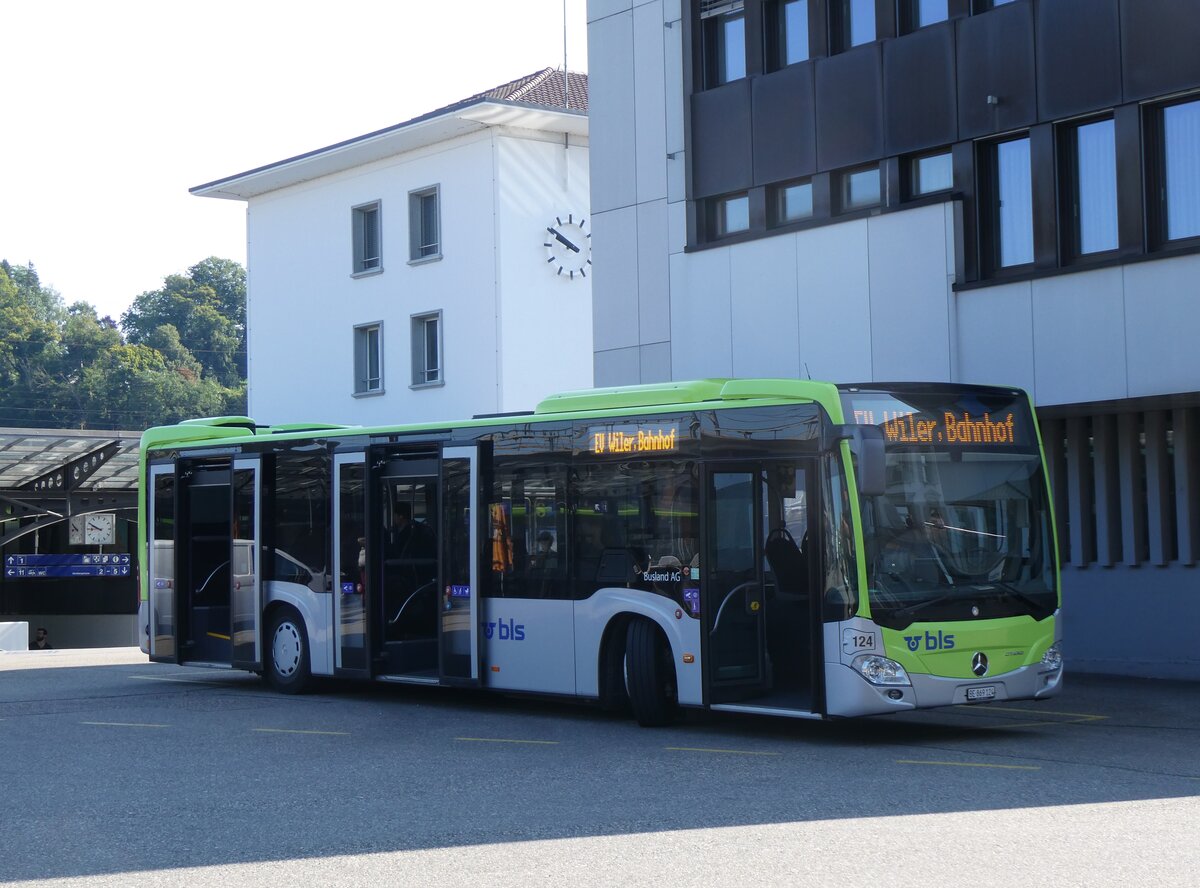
<point x="1052" y="659"/>
<point x="880" y="670"/>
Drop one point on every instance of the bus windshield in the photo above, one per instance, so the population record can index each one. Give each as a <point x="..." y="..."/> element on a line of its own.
<point x="962" y="531"/>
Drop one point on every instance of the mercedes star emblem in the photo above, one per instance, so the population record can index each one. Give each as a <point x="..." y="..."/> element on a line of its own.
<point x="979" y="664"/>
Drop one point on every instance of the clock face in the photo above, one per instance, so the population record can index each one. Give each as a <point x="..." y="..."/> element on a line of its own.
<point x="569" y="247"/>
<point x="98" y="530"/>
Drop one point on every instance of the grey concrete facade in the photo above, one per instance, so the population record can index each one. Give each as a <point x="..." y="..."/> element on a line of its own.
<point x="889" y="295"/>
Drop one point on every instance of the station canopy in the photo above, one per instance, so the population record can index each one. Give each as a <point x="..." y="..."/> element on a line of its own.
<point x="51" y="463"/>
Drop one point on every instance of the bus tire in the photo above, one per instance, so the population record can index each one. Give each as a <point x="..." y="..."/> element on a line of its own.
<point x="287" y="662"/>
<point x="614" y="697"/>
<point x="650" y="675"/>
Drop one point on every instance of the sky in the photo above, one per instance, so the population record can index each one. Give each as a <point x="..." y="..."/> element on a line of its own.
<point x="112" y="111"/>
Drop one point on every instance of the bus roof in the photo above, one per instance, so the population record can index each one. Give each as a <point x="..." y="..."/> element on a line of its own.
<point x="706" y="393"/>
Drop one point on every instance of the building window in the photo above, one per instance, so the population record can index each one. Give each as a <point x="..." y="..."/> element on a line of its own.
<point x="724" y="29"/>
<point x="916" y="14"/>
<point x="1006" y="202"/>
<point x="424" y="228"/>
<point x="858" y="188"/>
<point x="1180" y="170"/>
<point x="930" y="173"/>
<point x="791" y="202"/>
<point x="1089" y="172"/>
<point x="853" y="23"/>
<point x="365" y="235"/>
<point x="427" y="349"/>
<point x="730" y="214"/>
<point x="368" y="359"/>
<point x="788" y="33"/>
<point x="979" y="6"/>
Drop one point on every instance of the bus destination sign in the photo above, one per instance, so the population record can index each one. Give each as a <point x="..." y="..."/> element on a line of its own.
<point x="950" y="427"/>
<point x="1000" y="420"/>
<point x="630" y="439"/>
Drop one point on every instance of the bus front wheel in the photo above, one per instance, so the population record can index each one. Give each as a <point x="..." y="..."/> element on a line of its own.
<point x="287" y="667"/>
<point x="650" y="675"/>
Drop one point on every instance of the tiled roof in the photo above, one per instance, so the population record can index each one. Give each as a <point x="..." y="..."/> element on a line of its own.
<point x="543" y="87"/>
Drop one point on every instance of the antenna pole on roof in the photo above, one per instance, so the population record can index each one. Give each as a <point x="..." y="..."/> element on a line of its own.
<point x="566" y="77"/>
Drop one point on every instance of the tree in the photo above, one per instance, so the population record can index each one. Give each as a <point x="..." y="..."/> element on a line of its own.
<point x="183" y="354"/>
<point x="207" y="308"/>
<point x="29" y="347"/>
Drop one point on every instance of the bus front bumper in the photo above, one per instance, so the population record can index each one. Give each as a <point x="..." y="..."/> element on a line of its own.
<point x="849" y="694"/>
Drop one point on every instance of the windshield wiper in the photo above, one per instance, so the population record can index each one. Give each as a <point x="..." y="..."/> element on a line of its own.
<point x="929" y="602"/>
<point x="1024" y="597"/>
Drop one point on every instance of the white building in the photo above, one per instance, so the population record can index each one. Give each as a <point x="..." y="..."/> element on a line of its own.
<point x="979" y="191"/>
<point x="404" y="275"/>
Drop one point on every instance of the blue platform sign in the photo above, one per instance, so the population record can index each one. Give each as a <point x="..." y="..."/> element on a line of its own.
<point x="45" y="566"/>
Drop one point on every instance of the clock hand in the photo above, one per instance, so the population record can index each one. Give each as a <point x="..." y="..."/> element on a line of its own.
<point x="562" y="240"/>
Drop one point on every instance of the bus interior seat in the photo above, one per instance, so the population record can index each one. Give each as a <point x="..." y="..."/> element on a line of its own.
<point x="789" y="563"/>
<point x="614" y="566"/>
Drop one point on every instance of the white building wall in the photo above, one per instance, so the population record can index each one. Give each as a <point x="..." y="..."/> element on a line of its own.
<point x="497" y="194"/>
<point x="544" y="319"/>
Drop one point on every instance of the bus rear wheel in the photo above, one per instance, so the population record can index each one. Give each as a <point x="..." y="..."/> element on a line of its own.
<point x="287" y="661"/>
<point x="650" y="675"/>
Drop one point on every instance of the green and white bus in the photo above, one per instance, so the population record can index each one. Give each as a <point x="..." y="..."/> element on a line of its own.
<point x="772" y="546"/>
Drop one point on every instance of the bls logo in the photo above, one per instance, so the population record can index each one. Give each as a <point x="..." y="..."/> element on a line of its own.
<point x="510" y="630"/>
<point x="939" y="642"/>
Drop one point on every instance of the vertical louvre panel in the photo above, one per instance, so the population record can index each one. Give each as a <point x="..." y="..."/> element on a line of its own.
<point x="1108" y="496"/>
<point x="1133" y="489"/>
<point x="1056" y="462"/>
<point x="1187" y="482"/>
<point x="1079" y="485"/>
<point x="1161" y="527"/>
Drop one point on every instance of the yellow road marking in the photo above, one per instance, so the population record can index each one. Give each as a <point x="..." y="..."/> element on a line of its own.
<point x="1081" y="716"/>
<point x="971" y="765"/>
<point x="724" y="751"/>
<point x="123" y="725"/>
<point x="502" y="740"/>
<point x="287" y="731"/>
<point x="218" y="635"/>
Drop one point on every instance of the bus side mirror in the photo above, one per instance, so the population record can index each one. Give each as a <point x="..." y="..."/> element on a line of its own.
<point x="866" y="443"/>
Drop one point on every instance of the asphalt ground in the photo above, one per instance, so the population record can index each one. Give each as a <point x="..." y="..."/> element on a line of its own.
<point x="116" y="771"/>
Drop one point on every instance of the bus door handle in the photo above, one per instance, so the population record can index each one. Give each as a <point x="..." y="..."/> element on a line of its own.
<point x="740" y="587"/>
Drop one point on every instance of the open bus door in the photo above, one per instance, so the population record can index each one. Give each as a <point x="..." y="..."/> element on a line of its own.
<point x="761" y="619"/>
<point x="459" y="618"/>
<point x="245" y="568"/>
<point x="352" y="612"/>
<point x="160" y="564"/>
<point x="422" y="564"/>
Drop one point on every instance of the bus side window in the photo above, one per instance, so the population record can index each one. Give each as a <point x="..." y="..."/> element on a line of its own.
<point x="527" y="530"/>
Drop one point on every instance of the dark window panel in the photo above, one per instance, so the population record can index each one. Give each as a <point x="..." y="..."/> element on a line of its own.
<point x="1130" y="202"/>
<point x="1044" y="196"/>
<point x="1159" y="40"/>
<point x="1078" y="57"/>
<point x="785" y="142"/>
<point x="995" y="59"/>
<point x="720" y="146"/>
<point x="920" y="106"/>
<point x="849" y="91"/>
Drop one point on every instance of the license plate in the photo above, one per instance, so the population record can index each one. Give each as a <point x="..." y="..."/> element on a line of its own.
<point x="985" y="693"/>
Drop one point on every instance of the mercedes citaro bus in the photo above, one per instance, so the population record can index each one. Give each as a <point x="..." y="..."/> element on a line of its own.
<point x="773" y="546"/>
